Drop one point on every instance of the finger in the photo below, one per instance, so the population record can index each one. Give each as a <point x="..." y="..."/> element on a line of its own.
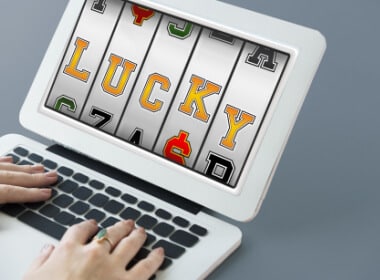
<point x="145" y="268"/>
<point x="7" y="159"/>
<point x="116" y="233"/>
<point x="129" y="246"/>
<point x="42" y="258"/>
<point x="14" y="194"/>
<point x="28" y="180"/>
<point x="31" y="169"/>
<point x="80" y="233"/>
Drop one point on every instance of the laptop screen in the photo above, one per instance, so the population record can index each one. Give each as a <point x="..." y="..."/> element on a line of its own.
<point x="182" y="91"/>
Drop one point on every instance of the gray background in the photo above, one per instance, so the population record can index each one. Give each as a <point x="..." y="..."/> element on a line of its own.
<point x="320" y="219"/>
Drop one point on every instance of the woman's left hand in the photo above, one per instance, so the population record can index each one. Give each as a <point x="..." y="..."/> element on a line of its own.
<point x="24" y="183"/>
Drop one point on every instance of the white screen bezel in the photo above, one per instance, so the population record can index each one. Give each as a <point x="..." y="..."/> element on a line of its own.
<point x="305" y="48"/>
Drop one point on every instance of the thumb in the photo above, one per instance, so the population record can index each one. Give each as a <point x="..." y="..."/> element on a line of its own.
<point x="42" y="258"/>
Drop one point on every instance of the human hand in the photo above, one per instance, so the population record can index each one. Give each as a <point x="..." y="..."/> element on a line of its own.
<point x="22" y="183"/>
<point x="75" y="259"/>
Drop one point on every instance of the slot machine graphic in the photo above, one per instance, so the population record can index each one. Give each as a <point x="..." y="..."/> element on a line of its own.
<point x="193" y="95"/>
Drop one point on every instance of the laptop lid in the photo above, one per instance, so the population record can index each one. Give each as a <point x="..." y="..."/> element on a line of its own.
<point x="198" y="97"/>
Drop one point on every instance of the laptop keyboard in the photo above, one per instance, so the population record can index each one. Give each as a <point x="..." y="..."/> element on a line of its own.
<point x="77" y="197"/>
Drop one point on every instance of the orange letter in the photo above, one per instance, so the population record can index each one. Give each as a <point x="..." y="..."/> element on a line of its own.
<point x="141" y="14"/>
<point x="236" y="121"/>
<point x="128" y="68"/>
<point x="72" y="68"/>
<point x="199" y="90"/>
<point x="156" y="105"/>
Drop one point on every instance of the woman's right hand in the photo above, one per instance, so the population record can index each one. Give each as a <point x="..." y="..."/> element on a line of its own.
<point x="75" y="259"/>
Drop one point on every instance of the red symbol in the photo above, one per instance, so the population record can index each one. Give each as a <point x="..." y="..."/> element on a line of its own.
<point x="178" y="148"/>
<point x="141" y="14"/>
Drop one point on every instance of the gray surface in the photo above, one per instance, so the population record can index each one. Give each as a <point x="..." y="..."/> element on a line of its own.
<point x="320" y="218"/>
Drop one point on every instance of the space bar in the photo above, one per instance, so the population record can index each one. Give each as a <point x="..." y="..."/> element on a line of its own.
<point x="42" y="224"/>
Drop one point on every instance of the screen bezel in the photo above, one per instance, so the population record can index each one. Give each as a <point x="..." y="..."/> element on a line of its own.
<point x="305" y="48"/>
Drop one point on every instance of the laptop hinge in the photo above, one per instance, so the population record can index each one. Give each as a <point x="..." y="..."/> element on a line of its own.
<point x="126" y="178"/>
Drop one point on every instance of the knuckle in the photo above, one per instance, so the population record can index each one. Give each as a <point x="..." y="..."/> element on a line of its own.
<point x="75" y="227"/>
<point x="146" y="267"/>
<point x="36" y="178"/>
<point x="67" y="246"/>
<point x="5" y="193"/>
<point x="6" y="175"/>
<point x="94" y="253"/>
<point x="72" y="230"/>
<point x="29" y="169"/>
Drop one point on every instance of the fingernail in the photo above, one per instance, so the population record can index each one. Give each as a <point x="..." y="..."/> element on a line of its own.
<point x="94" y="222"/>
<point x="141" y="229"/>
<point x="7" y="158"/>
<point x="159" y="251"/>
<point x="129" y="222"/>
<point x="46" y="192"/>
<point x="37" y="168"/>
<point x="46" y="248"/>
<point x="51" y="174"/>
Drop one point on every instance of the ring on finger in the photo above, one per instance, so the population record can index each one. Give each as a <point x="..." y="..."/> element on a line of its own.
<point x="102" y="236"/>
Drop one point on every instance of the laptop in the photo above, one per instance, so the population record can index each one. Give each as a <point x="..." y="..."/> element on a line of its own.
<point x="173" y="113"/>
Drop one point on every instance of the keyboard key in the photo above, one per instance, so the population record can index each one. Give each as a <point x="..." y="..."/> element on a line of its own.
<point x="49" y="210"/>
<point x="181" y="222"/>
<point x="99" y="200"/>
<point x="81" y="178"/>
<point x="109" y="222"/>
<point x="79" y="207"/>
<point x="64" y="218"/>
<point x="82" y="193"/>
<point x="43" y="224"/>
<point x="163" y="214"/>
<point x="96" y="184"/>
<point x="59" y="180"/>
<point x="149" y="239"/>
<point x="184" y="238"/>
<point x="25" y="162"/>
<point x="112" y="191"/>
<point x="113" y="206"/>
<point x="54" y="193"/>
<point x="147" y="222"/>
<point x="36" y="158"/>
<point x="141" y="254"/>
<point x="129" y="198"/>
<point x="146" y="206"/>
<point x="171" y="250"/>
<point x="14" y="158"/>
<point x="96" y="215"/>
<point x="12" y="209"/>
<point x="68" y="186"/>
<point x="130" y="213"/>
<point x="65" y="171"/>
<point x="50" y="164"/>
<point x="131" y="264"/>
<point x="21" y="151"/>
<point x="198" y="230"/>
<point x="34" y="205"/>
<point x="163" y="229"/>
<point x="76" y="221"/>
<point x="167" y="262"/>
<point x="63" y="201"/>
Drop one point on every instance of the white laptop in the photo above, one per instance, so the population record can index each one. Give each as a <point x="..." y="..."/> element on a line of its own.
<point x="162" y="111"/>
